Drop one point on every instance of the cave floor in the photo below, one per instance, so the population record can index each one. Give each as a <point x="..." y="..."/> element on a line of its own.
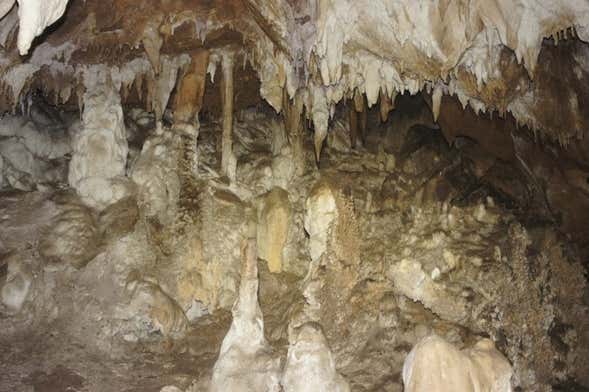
<point x="50" y="361"/>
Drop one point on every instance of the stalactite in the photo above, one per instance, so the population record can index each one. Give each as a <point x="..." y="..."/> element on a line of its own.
<point x="166" y="81"/>
<point x="228" y="159"/>
<point x="436" y="101"/>
<point x="386" y="105"/>
<point x="139" y="86"/>
<point x="295" y="127"/>
<point x="358" y="101"/>
<point x="191" y="87"/>
<point x="34" y="17"/>
<point x="353" y="123"/>
<point x="152" y="44"/>
<point x="363" y="120"/>
<point x="362" y="110"/>
<point x="320" y="117"/>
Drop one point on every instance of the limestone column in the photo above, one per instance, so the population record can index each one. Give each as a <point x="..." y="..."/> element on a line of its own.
<point x="228" y="159"/>
<point x="188" y="103"/>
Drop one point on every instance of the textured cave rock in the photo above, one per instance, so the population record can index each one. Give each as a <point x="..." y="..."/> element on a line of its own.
<point x="16" y="288"/>
<point x="73" y="237"/>
<point x="294" y="195"/>
<point x="33" y="151"/>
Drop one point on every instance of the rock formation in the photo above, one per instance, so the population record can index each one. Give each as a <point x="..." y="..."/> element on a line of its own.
<point x="245" y="360"/>
<point x="310" y="364"/>
<point x="416" y="172"/>
<point x="100" y="149"/>
<point x="436" y="365"/>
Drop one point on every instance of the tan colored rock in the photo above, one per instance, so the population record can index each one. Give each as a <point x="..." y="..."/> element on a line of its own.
<point x="150" y="303"/>
<point x="320" y="213"/>
<point x="331" y="223"/>
<point x="16" y="287"/>
<point x="410" y="280"/>
<point x="295" y="124"/>
<point x="73" y="236"/>
<point x="223" y="216"/>
<point x="274" y="219"/>
<point x="191" y="87"/>
<point x="228" y="158"/>
<point x="156" y="174"/>
<point x="118" y="219"/>
<point x="436" y="365"/>
<point x="188" y="279"/>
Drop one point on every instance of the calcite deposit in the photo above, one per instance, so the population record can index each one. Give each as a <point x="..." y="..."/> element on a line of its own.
<point x="434" y="365"/>
<point x="294" y="195"/>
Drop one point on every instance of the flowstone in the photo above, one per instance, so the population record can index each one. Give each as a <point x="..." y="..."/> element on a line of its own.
<point x="274" y="219"/>
<point x="436" y="365"/>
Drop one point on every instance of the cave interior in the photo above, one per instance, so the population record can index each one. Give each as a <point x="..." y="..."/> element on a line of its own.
<point x="294" y="195"/>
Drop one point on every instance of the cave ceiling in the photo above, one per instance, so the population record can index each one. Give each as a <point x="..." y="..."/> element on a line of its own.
<point x="526" y="59"/>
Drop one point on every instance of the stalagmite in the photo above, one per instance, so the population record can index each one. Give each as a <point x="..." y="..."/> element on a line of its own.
<point x="99" y="156"/>
<point x="246" y="362"/>
<point x="436" y="365"/>
<point x="310" y="365"/>
<point x="228" y="158"/>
